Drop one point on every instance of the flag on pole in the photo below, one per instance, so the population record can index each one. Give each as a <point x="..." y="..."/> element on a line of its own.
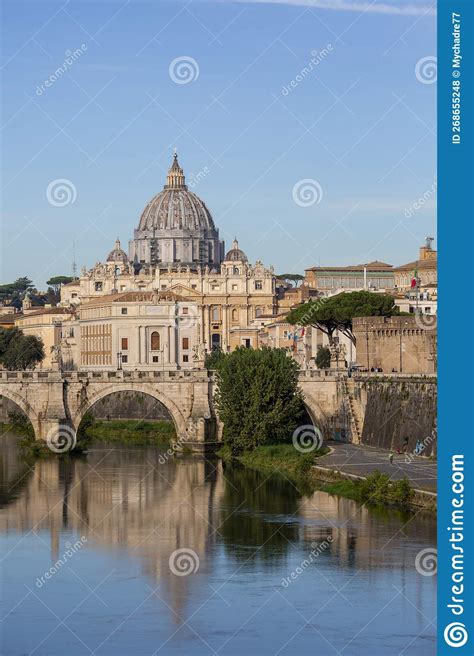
<point x="414" y="280"/>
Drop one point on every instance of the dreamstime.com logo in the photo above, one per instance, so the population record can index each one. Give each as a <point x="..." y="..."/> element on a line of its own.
<point x="426" y="70"/>
<point x="61" y="439"/>
<point x="307" y="192"/>
<point x="61" y="192"/>
<point x="426" y="561"/>
<point x="183" y="70"/>
<point x="307" y="438"/>
<point x="183" y="562"/>
<point x="455" y="634"/>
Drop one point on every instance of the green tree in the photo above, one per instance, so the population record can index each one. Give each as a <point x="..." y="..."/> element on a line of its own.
<point x="257" y="397"/>
<point x="7" y="335"/>
<point x="336" y="312"/>
<point x="293" y="278"/>
<point x="13" y="292"/>
<point x="21" y="352"/>
<point x="323" y="357"/>
<point x="213" y="359"/>
<point x="56" y="282"/>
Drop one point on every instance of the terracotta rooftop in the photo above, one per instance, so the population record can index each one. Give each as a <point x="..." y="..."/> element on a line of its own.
<point x="418" y="264"/>
<point x="43" y="310"/>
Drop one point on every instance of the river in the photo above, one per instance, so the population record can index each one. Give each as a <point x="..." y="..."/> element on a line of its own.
<point x="133" y="552"/>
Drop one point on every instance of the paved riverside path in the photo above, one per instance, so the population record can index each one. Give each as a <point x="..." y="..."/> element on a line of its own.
<point x="362" y="460"/>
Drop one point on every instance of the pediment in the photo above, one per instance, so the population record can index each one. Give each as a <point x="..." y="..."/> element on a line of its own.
<point x="183" y="290"/>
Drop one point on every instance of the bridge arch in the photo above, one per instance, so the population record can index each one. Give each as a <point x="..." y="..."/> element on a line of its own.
<point x="177" y="415"/>
<point x="23" y="404"/>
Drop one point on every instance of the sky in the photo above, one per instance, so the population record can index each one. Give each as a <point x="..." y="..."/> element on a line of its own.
<point x="308" y="127"/>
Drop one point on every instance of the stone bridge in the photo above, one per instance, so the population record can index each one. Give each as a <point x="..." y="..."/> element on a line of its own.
<point x="52" y="400"/>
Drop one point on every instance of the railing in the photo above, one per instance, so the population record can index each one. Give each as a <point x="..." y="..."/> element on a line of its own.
<point x="108" y="375"/>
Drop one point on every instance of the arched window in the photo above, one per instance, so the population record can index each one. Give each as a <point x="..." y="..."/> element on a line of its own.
<point x="155" y="341"/>
<point x="215" y="313"/>
<point x="235" y="315"/>
<point x="236" y="271"/>
<point x="258" y="312"/>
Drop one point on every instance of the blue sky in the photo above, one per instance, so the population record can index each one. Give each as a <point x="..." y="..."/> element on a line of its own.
<point x="361" y="125"/>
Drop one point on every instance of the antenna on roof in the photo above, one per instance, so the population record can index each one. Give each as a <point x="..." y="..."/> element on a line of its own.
<point x="74" y="265"/>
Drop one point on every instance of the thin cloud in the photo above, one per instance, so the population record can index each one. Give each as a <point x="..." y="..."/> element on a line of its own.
<point x="346" y="5"/>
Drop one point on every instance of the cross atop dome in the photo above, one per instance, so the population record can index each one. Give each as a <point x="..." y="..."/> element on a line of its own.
<point x="175" y="178"/>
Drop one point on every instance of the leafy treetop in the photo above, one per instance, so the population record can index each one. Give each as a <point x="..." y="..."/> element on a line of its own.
<point x="336" y="312"/>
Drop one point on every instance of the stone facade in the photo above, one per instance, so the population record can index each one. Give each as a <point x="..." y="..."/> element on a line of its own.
<point x="330" y="280"/>
<point x="404" y="344"/>
<point x="138" y="329"/>
<point x="228" y="300"/>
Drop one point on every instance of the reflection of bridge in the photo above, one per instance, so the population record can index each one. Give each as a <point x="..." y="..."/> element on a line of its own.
<point x="51" y="399"/>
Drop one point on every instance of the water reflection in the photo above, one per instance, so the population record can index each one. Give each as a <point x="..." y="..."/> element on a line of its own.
<point x="136" y="507"/>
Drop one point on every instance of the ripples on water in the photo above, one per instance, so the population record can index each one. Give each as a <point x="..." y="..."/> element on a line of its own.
<point x="115" y="519"/>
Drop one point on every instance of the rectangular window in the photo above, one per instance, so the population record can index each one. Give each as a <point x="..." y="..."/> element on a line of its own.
<point x="193" y="286"/>
<point x="124" y="343"/>
<point x="155" y="358"/>
<point x="258" y="284"/>
<point x="185" y="358"/>
<point x="235" y="288"/>
<point x="98" y="286"/>
<point x="124" y="310"/>
<point x="185" y="343"/>
<point x="185" y="310"/>
<point x="124" y="358"/>
<point x="123" y="288"/>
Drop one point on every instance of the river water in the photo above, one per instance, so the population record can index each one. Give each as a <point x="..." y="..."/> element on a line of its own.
<point x="133" y="552"/>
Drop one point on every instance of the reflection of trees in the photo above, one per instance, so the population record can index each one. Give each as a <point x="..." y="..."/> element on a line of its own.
<point x="14" y="472"/>
<point x="253" y="517"/>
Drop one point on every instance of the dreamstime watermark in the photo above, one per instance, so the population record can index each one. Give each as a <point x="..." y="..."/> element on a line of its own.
<point x="421" y="201"/>
<point x="307" y="192"/>
<point x="307" y="438"/>
<point x="420" y="447"/>
<point x="426" y="321"/>
<point x="317" y="56"/>
<point x="183" y="70"/>
<point x="61" y="439"/>
<point x="426" y="70"/>
<point x="71" y="549"/>
<point x="71" y="57"/>
<point x="183" y="562"/>
<point x="426" y="561"/>
<point x="194" y="180"/>
<point x="61" y="192"/>
<point x="171" y="451"/>
<point x="317" y="548"/>
<point x="186" y="316"/>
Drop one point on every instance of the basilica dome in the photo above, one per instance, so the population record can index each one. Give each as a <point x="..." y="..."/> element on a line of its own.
<point x="176" y="228"/>
<point x="176" y="208"/>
